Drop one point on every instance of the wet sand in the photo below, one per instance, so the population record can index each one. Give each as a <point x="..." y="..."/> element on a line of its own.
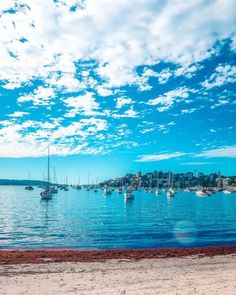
<point x="187" y="275"/>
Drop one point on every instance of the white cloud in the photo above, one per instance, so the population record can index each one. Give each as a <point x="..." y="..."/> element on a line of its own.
<point x="220" y="103"/>
<point x="187" y="71"/>
<point x="121" y="101"/>
<point x="31" y="138"/>
<point x="103" y="91"/>
<point x="119" y="35"/>
<point x="222" y="152"/>
<point x="130" y="113"/>
<point x="188" y="111"/>
<point x="66" y="82"/>
<point x="18" y="114"/>
<point x="223" y="74"/>
<point x="159" y="157"/>
<point x="147" y="130"/>
<point x="41" y="96"/>
<point x="197" y="163"/>
<point x="168" y="99"/>
<point x="85" y="104"/>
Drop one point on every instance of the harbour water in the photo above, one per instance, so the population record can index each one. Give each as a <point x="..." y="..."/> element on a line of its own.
<point x="79" y="219"/>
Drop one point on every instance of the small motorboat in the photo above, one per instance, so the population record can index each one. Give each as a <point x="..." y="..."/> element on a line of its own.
<point x="129" y="194"/>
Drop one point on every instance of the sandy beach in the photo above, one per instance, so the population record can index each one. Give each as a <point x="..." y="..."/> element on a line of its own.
<point x="193" y="274"/>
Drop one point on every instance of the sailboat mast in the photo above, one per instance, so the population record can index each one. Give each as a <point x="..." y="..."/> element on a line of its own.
<point x="48" y="166"/>
<point x="54" y="171"/>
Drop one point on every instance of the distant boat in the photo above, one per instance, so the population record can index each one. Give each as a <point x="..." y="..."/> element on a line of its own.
<point x="203" y="193"/>
<point x="170" y="192"/>
<point x="78" y="186"/>
<point x="54" y="188"/>
<point x="29" y="187"/>
<point x="96" y="186"/>
<point x="119" y="190"/>
<point x="129" y="194"/>
<point x="227" y="192"/>
<point x="107" y="191"/>
<point x="186" y="190"/>
<point x="47" y="193"/>
<point x="157" y="192"/>
<point x="87" y="188"/>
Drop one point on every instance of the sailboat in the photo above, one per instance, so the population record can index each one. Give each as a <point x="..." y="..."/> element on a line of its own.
<point x="96" y="186"/>
<point x="157" y="189"/>
<point x="78" y="186"/>
<point x="88" y="186"/>
<point x="47" y="193"/>
<point x="54" y="189"/>
<point x="29" y="187"/>
<point x="170" y="192"/>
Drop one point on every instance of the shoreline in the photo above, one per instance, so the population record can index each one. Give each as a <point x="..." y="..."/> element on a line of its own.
<point x="8" y="257"/>
<point x="206" y="275"/>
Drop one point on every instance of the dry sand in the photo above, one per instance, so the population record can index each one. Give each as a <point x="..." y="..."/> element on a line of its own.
<point x="186" y="275"/>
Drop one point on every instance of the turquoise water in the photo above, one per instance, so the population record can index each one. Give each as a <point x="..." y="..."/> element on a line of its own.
<point x="88" y="220"/>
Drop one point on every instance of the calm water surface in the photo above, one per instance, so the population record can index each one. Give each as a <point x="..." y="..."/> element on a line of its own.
<point x="88" y="220"/>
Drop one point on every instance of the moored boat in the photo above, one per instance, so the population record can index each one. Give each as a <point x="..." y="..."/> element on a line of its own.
<point x="107" y="191"/>
<point x="129" y="194"/>
<point x="47" y="193"/>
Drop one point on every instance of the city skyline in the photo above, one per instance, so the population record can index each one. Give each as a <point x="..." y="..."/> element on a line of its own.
<point x="147" y="85"/>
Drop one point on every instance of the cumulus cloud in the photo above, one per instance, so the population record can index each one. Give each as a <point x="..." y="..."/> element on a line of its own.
<point x="119" y="35"/>
<point x="31" y="138"/>
<point x="72" y="55"/>
<point x="122" y="102"/>
<point x="85" y="104"/>
<point x="18" y="114"/>
<point x="223" y="74"/>
<point x="130" y="113"/>
<point x="169" y="98"/>
<point x="41" y="96"/>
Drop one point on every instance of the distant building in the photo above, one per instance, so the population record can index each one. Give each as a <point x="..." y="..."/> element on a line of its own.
<point x="200" y="174"/>
<point x="188" y="175"/>
<point x="139" y="174"/>
<point x="226" y="182"/>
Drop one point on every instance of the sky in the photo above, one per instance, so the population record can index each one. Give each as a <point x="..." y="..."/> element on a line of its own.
<point x="115" y="87"/>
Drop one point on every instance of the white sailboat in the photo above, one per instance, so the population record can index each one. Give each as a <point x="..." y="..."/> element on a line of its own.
<point x="54" y="188"/>
<point x="157" y="192"/>
<point x="78" y="187"/>
<point x="47" y="193"/>
<point x="203" y="193"/>
<point x="170" y="192"/>
<point x="88" y="186"/>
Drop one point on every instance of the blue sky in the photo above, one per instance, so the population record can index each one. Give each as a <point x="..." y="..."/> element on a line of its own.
<point x="116" y="86"/>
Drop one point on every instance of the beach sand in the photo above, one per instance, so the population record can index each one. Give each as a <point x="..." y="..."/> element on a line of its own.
<point x="183" y="275"/>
